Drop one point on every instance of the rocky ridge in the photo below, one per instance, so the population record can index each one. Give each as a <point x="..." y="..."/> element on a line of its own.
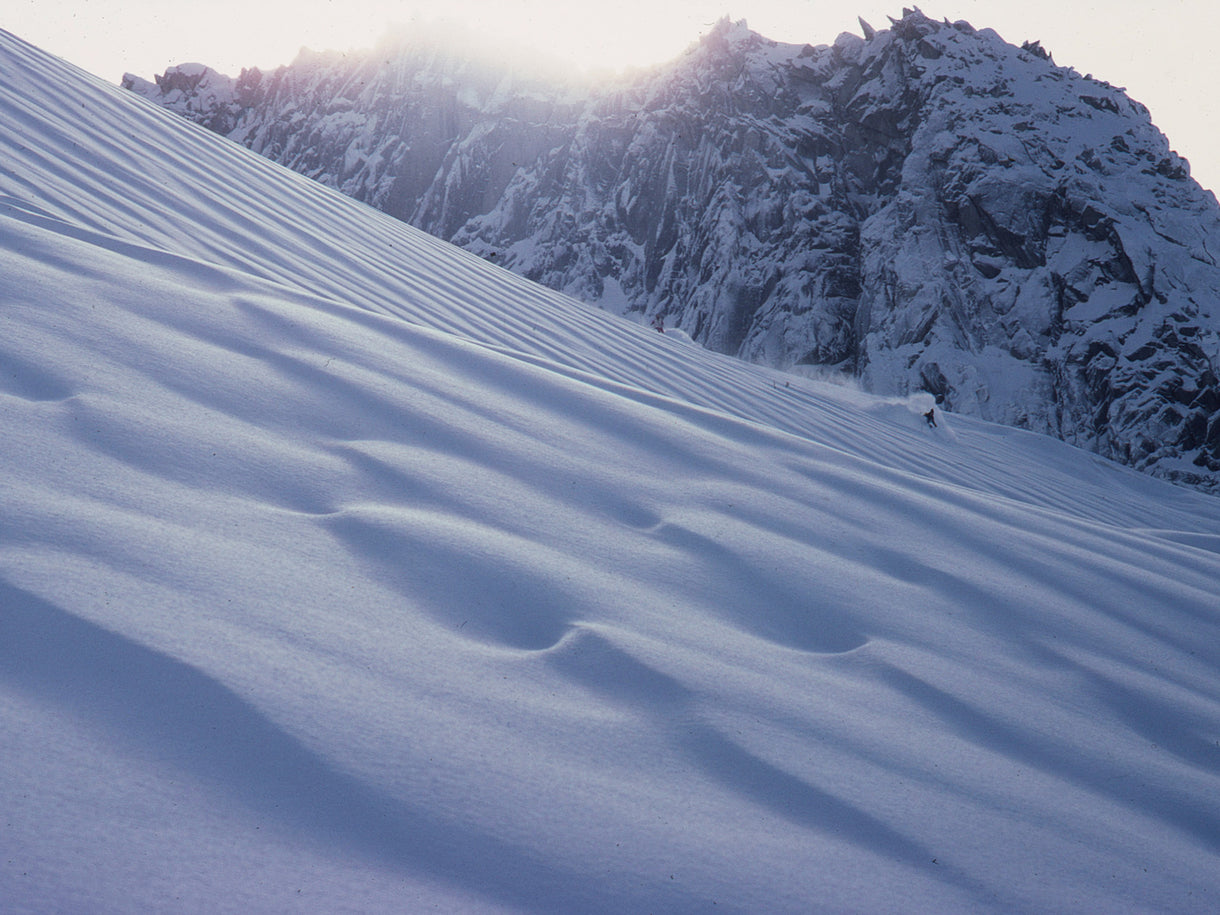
<point x="927" y="207"/>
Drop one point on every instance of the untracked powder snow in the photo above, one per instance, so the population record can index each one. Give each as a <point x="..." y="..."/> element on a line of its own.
<point x="342" y="571"/>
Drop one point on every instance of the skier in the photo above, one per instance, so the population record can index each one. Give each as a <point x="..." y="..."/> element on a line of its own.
<point x="658" y="324"/>
<point x="930" y="416"/>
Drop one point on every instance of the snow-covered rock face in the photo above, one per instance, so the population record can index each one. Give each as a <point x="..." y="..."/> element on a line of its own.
<point x="929" y="208"/>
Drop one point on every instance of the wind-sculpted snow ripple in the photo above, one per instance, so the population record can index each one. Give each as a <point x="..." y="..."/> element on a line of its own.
<point x="339" y="570"/>
<point x="758" y="594"/>
<point x="473" y="580"/>
<point x="157" y="707"/>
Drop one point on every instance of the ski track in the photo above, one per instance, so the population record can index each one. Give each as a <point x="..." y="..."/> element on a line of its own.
<point x="342" y="571"/>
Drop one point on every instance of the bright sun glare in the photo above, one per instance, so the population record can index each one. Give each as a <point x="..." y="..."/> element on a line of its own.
<point x="1138" y="45"/>
<point x="633" y="34"/>
<point x="110" y="37"/>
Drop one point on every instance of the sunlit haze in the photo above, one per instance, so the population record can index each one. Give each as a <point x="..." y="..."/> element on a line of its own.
<point x="1158" y="51"/>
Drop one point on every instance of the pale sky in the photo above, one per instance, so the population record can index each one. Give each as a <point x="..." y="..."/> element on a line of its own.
<point x="1161" y="52"/>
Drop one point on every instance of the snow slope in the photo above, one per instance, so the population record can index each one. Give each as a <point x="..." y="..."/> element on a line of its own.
<point x="340" y="571"/>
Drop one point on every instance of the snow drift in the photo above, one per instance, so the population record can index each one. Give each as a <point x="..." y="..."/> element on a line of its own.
<point x="340" y="571"/>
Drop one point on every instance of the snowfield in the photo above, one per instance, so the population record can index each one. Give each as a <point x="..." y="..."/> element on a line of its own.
<point x="341" y="571"/>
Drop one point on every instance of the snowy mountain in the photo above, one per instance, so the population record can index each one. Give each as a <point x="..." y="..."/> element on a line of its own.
<point x="343" y="571"/>
<point x="928" y="208"/>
